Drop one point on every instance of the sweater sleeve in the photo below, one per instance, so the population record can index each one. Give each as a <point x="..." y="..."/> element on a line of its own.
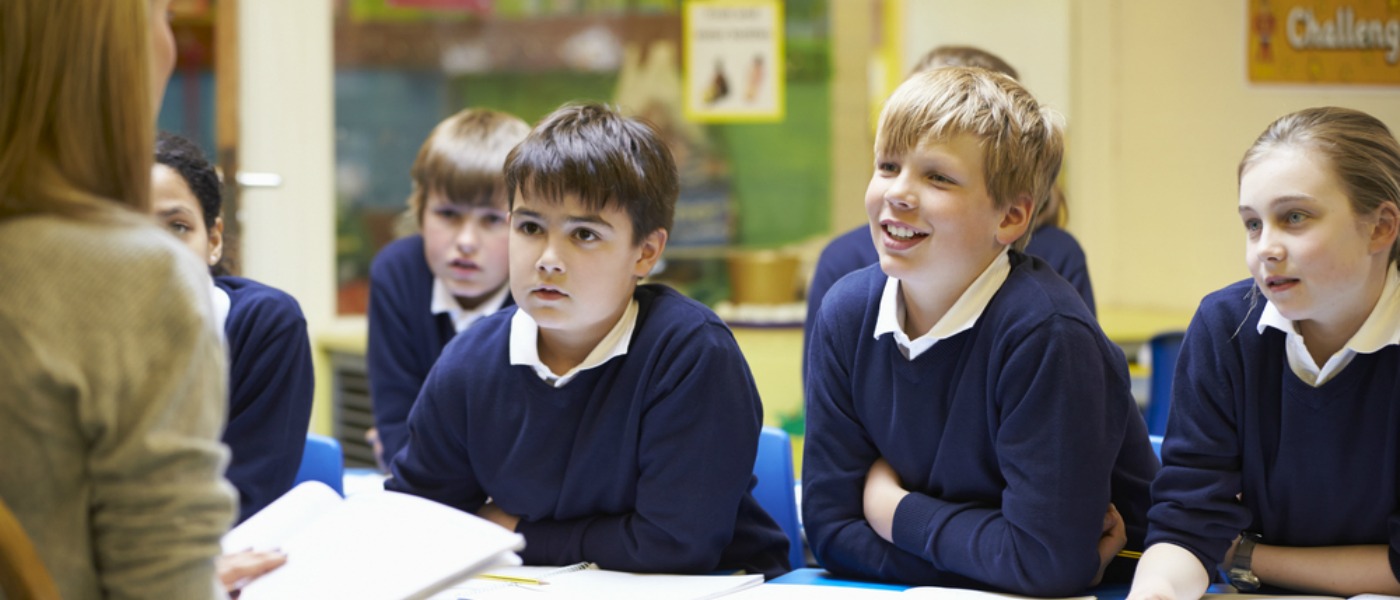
<point x="270" y="392"/>
<point x="434" y="462"/>
<point x="1195" y="496"/>
<point x="395" y="371"/>
<point x="159" y="504"/>
<point x="837" y="455"/>
<point x="1056" y="446"/>
<point x="698" y="440"/>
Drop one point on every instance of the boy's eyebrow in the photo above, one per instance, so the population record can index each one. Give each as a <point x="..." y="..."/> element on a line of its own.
<point x="589" y="219"/>
<point x="172" y="211"/>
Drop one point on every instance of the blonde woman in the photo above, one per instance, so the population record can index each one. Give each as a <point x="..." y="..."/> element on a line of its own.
<point x="111" y="373"/>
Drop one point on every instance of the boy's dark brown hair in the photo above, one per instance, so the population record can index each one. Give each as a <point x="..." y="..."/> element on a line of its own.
<point x="462" y="159"/>
<point x="963" y="56"/>
<point x="603" y="157"/>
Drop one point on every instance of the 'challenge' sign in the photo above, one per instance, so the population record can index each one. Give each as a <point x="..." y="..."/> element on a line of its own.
<point x="1324" y="41"/>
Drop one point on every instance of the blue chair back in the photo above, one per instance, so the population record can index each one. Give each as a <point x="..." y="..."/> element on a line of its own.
<point x="322" y="461"/>
<point x="1164" y="348"/>
<point x="776" y="491"/>
<point x="1156" y="445"/>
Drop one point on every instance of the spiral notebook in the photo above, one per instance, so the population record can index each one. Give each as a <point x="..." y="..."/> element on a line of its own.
<point x="585" y="581"/>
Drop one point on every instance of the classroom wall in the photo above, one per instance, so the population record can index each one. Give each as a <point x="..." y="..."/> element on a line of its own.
<point x="1163" y="113"/>
<point x="286" y="128"/>
<point x="1159" y="111"/>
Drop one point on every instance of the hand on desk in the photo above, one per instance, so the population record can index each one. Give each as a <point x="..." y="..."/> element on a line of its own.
<point x="241" y="568"/>
<point x="1115" y="536"/>
<point x="372" y="436"/>
<point x="494" y="514"/>
<point x="883" y="491"/>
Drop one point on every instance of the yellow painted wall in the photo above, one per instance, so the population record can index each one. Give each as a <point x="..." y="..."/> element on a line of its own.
<point x="1163" y="112"/>
<point x="1159" y="111"/>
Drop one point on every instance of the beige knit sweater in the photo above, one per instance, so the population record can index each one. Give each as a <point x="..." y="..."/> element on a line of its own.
<point x="111" y="402"/>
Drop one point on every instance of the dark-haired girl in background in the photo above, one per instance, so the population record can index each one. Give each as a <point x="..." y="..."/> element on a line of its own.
<point x="270" y="374"/>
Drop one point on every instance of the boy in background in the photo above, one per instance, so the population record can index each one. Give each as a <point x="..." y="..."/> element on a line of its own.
<point x="968" y="423"/>
<point x="425" y="288"/>
<point x="605" y="421"/>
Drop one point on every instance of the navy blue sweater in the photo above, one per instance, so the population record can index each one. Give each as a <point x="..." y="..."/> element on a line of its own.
<point x="405" y="337"/>
<point x="270" y="391"/>
<point x="854" y="249"/>
<point x="641" y="464"/>
<point x="1013" y="436"/>
<point x="1313" y="466"/>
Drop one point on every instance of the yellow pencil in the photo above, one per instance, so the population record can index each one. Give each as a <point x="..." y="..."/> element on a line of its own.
<point x="508" y="578"/>
<point x="1130" y="554"/>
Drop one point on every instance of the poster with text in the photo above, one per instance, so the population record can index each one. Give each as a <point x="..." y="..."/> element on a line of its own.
<point x="1324" y="41"/>
<point x="733" y="60"/>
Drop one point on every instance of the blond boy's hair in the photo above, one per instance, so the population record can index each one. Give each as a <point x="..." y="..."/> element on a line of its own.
<point x="1022" y="142"/>
<point x="463" y="159"/>
<point x="76" y="112"/>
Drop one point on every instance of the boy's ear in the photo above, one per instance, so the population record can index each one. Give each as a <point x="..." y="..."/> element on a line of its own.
<point x="1015" y="219"/>
<point x="216" y="241"/>
<point x="1385" y="228"/>
<point x="651" y="248"/>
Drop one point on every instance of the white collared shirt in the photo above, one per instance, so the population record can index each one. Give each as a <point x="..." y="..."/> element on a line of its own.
<point x="525" y="350"/>
<point x="445" y="302"/>
<point x="959" y="318"/>
<point x="1381" y="329"/>
<point x="222" y="304"/>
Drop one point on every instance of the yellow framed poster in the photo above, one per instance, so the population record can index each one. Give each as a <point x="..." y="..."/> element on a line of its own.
<point x="1324" y="41"/>
<point x="734" y="63"/>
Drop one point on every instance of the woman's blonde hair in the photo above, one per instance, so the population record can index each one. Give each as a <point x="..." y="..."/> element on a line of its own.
<point x="76" y="112"/>
<point x="1360" y="149"/>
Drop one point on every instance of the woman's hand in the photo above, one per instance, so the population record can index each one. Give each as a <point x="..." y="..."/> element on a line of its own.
<point x="240" y="568"/>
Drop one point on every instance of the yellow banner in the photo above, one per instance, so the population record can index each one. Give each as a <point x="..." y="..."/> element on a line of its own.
<point x="1324" y="41"/>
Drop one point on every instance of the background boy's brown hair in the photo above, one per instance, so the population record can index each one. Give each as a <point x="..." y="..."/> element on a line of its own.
<point x="463" y="159"/>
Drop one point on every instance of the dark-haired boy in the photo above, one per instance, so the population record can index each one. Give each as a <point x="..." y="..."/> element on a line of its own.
<point x="606" y="421"/>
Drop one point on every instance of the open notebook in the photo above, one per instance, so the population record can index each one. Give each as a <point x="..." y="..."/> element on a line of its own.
<point x="585" y="581"/>
<point x="376" y="545"/>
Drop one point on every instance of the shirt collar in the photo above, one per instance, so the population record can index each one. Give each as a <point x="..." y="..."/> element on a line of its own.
<point x="1381" y="329"/>
<point x="222" y="305"/>
<point x="524" y="345"/>
<point x="959" y="318"/>
<point x="445" y="303"/>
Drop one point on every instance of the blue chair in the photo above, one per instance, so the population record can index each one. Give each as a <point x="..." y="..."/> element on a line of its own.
<point x="322" y="461"/>
<point x="775" y="489"/>
<point x="1164" y="348"/>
